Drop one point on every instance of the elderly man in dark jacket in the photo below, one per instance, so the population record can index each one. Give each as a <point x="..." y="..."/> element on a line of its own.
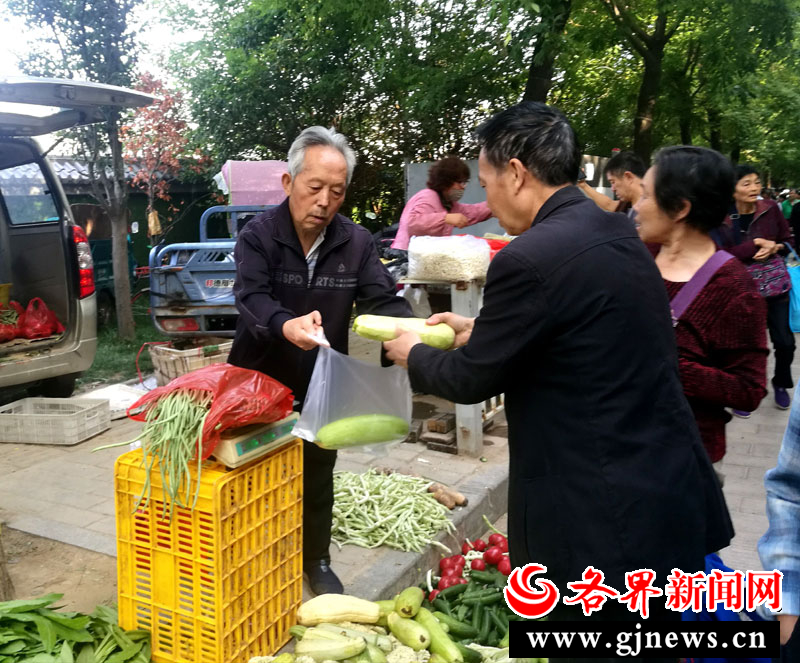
<point x="300" y="267"/>
<point x="606" y="464"/>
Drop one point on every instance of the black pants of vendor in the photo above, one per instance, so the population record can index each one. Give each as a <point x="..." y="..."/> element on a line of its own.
<point x="317" y="502"/>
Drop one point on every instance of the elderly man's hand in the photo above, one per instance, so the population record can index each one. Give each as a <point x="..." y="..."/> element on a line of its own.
<point x="461" y="325"/>
<point x="399" y="349"/>
<point x="300" y="330"/>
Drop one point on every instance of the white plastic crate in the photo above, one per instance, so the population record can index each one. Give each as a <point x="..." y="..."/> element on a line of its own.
<point x="169" y="363"/>
<point x="53" y="420"/>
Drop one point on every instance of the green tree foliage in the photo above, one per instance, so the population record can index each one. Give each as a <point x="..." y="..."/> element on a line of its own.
<point x="407" y="80"/>
<point x="713" y="72"/>
<point x="403" y="79"/>
<point x="92" y="41"/>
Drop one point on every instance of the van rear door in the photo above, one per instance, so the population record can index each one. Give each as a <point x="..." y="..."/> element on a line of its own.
<point x="73" y="103"/>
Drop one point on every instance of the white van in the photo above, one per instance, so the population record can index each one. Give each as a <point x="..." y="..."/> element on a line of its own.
<point x="43" y="253"/>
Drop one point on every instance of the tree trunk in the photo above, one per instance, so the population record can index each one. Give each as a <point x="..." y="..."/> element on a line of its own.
<point x="6" y="588"/>
<point x="118" y="213"/>
<point x="715" y="129"/>
<point x="646" y="103"/>
<point x="122" y="278"/>
<point x="736" y="151"/>
<point x="540" y="73"/>
<point x="686" y="126"/>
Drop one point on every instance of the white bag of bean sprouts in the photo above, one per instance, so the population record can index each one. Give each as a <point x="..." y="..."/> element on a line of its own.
<point x="453" y="258"/>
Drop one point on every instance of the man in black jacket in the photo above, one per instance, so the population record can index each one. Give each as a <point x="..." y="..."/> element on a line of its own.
<point x="300" y="267"/>
<point x="606" y="464"/>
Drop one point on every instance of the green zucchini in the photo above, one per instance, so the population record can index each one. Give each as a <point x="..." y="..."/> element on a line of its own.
<point x="384" y="328"/>
<point x="470" y="655"/>
<point x="363" y="429"/>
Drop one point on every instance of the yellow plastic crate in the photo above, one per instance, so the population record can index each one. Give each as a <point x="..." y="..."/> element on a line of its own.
<point x="221" y="583"/>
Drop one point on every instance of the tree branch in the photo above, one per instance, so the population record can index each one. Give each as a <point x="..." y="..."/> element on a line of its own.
<point x="674" y="28"/>
<point x="629" y="26"/>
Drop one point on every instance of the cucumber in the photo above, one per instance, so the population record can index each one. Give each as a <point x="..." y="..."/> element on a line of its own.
<point x="384" y="328"/>
<point x="363" y="429"/>
<point x="470" y="655"/>
<point x="456" y="627"/>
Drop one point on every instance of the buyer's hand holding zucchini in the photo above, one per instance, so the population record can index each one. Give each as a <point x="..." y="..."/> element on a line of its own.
<point x="384" y="328"/>
<point x="461" y="327"/>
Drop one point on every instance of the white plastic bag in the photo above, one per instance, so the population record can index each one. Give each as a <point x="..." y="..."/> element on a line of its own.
<point x="453" y="258"/>
<point x="342" y="387"/>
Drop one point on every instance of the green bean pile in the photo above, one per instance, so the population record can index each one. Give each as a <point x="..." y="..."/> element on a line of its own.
<point x="8" y="316"/>
<point x="395" y="510"/>
<point x="171" y="437"/>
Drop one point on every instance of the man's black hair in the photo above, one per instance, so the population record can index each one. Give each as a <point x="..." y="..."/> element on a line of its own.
<point x="539" y="136"/>
<point x="699" y="175"/>
<point x="623" y="162"/>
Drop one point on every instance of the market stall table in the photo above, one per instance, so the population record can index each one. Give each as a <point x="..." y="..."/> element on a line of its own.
<point x="467" y="299"/>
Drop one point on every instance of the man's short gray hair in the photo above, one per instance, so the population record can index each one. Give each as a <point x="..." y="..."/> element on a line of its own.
<point x="320" y="136"/>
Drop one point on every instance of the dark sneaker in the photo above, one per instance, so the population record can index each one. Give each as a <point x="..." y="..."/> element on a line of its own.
<point x="782" y="399"/>
<point x="741" y="414"/>
<point x="321" y="577"/>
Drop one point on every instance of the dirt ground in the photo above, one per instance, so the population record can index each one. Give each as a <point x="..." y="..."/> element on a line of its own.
<point x="40" y="566"/>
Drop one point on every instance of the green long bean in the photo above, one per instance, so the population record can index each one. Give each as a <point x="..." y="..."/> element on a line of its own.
<point x="9" y="317"/>
<point x="171" y="437"/>
<point x="374" y="509"/>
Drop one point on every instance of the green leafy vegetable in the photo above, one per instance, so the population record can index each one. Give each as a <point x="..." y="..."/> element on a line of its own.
<point x="33" y="631"/>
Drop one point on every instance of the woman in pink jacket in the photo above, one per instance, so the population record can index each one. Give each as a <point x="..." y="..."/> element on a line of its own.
<point x="436" y="210"/>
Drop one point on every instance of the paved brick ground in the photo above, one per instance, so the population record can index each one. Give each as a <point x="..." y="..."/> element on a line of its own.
<point x="753" y="446"/>
<point x="67" y="494"/>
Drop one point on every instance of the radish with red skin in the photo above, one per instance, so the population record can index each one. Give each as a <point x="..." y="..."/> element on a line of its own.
<point x="504" y="566"/>
<point x="446" y="563"/>
<point x="493" y="555"/>
<point x="433" y="595"/>
<point x="466" y="547"/>
<point x="453" y="571"/>
<point x="446" y="581"/>
<point x="459" y="560"/>
<point x="497" y="539"/>
<point x="479" y="545"/>
<point x="477" y="565"/>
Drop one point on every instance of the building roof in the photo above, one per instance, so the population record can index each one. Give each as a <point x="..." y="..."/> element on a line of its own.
<point x="73" y="175"/>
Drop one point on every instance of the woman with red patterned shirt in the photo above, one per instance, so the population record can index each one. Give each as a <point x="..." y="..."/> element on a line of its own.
<point x="721" y="336"/>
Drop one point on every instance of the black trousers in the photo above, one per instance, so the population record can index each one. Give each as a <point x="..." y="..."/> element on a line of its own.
<point x="782" y="339"/>
<point x="317" y="501"/>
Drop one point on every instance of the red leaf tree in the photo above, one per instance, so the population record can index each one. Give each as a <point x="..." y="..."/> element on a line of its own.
<point x="156" y="140"/>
